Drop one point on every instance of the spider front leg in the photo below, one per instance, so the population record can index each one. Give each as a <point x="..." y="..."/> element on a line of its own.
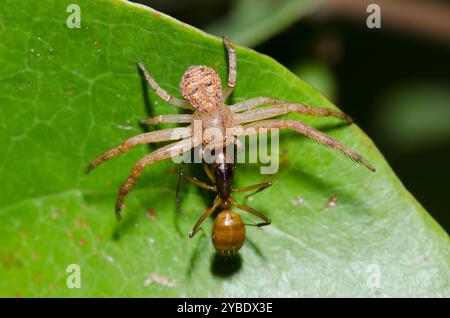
<point x="168" y="151"/>
<point x="282" y="109"/>
<point x="162" y="93"/>
<point x="301" y="127"/>
<point x="180" y="119"/>
<point x="146" y="138"/>
<point x="253" y="102"/>
<point x="231" y="68"/>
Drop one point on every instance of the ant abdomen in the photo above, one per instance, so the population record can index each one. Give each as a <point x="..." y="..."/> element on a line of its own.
<point x="228" y="234"/>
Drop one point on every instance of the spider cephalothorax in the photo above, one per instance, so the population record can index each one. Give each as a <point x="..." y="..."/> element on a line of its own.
<point x="201" y="88"/>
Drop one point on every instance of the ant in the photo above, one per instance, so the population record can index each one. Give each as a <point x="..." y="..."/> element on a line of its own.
<point x="202" y="91"/>
<point x="228" y="234"/>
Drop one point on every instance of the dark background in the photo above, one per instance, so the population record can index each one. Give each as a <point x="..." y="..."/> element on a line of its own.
<point x="393" y="81"/>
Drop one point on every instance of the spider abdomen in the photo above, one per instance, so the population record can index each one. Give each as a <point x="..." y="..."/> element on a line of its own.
<point x="228" y="234"/>
<point x="201" y="87"/>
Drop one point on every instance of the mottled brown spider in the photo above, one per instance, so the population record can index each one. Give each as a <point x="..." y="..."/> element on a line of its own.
<point x="201" y="89"/>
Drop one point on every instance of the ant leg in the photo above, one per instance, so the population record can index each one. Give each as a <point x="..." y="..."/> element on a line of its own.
<point x="208" y="212"/>
<point x="231" y="68"/>
<point x="250" y="210"/>
<point x="180" y="118"/>
<point x="278" y="110"/>
<point x="161" y="92"/>
<point x="167" y="151"/>
<point x="308" y="131"/>
<point x="177" y="193"/>
<point x="209" y="172"/>
<point x="146" y="138"/>
<point x="258" y="187"/>
<point x="197" y="182"/>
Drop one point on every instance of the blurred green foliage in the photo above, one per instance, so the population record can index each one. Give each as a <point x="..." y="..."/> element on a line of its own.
<point x="415" y="116"/>
<point x="250" y="22"/>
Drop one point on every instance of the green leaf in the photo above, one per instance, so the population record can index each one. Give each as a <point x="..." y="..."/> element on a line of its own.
<point x="67" y="95"/>
<point x="250" y="22"/>
<point x="318" y="76"/>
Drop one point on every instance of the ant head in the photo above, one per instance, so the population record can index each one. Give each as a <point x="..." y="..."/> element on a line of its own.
<point x="201" y="87"/>
<point x="228" y="233"/>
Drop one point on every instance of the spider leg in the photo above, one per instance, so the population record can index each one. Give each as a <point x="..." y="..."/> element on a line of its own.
<point x="161" y="92"/>
<point x="180" y="118"/>
<point x="150" y="137"/>
<point x="231" y="68"/>
<point x="301" y="127"/>
<point x="281" y="109"/>
<point x="253" y="102"/>
<point x="167" y="151"/>
<point x="217" y="145"/>
<point x="208" y="212"/>
<point x="250" y="210"/>
<point x="239" y="145"/>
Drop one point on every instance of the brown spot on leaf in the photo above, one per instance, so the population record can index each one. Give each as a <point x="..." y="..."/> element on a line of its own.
<point x="38" y="278"/>
<point x="331" y="203"/>
<point x="10" y="259"/>
<point x="151" y="214"/>
<point x="81" y="223"/>
<point x="284" y="158"/>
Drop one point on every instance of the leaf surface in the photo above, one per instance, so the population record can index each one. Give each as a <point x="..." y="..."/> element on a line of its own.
<point x="67" y="95"/>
